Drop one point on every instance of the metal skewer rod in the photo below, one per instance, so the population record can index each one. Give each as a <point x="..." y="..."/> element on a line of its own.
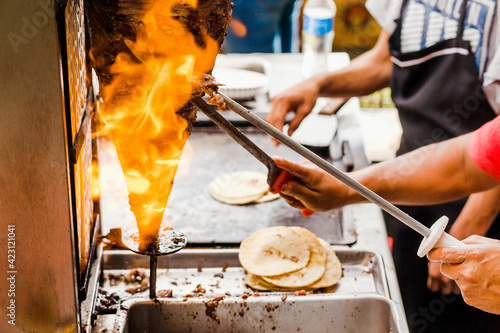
<point x="153" y="263"/>
<point x="344" y="178"/>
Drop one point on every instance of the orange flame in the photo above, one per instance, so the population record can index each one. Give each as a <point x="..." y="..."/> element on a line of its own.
<point x="238" y="28"/>
<point x="94" y="173"/>
<point x="140" y="107"/>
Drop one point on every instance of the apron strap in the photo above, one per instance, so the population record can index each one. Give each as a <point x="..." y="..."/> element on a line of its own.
<point x="461" y="21"/>
<point x="403" y="6"/>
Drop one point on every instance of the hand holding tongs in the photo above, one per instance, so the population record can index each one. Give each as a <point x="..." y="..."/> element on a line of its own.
<point x="433" y="237"/>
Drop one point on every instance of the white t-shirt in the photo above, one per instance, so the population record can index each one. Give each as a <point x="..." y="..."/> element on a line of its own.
<point x="427" y="22"/>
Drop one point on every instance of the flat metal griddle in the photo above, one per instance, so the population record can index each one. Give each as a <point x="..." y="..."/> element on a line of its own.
<point x="211" y="153"/>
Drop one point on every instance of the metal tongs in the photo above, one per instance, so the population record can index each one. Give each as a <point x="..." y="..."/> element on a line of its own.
<point x="434" y="237"/>
<point x="276" y="177"/>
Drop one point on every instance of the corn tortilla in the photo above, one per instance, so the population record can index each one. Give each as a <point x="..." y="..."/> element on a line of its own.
<point x="306" y="276"/>
<point x="239" y="188"/>
<point x="274" y="251"/>
<point x="312" y="241"/>
<point x="268" y="196"/>
<point x="256" y="282"/>
<point x="333" y="270"/>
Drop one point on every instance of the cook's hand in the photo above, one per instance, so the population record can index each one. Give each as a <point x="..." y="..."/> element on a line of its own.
<point x="299" y="99"/>
<point x="438" y="282"/>
<point x="476" y="269"/>
<point x="311" y="188"/>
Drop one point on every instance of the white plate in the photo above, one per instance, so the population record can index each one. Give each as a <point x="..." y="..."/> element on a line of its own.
<point x="241" y="83"/>
<point x="316" y="130"/>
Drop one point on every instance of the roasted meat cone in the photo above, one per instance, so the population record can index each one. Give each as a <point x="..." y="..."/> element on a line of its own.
<point x="150" y="57"/>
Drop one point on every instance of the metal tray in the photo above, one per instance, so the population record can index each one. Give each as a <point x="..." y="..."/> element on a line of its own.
<point x="363" y="272"/>
<point x="360" y="302"/>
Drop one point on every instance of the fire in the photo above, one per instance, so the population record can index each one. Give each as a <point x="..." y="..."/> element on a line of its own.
<point x="238" y="28"/>
<point x="141" y="102"/>
<point x="95" y="185"/>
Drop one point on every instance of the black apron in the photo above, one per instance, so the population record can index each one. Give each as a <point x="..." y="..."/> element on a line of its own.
<point x="439" y="95"/>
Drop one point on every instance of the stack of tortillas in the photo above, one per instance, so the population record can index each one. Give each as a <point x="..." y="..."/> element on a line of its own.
<point x="288" y="259"/>
<point x="240" y="188"/>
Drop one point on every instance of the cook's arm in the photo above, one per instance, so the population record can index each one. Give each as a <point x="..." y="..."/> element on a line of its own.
<point x="478" y="214"/>
<point x="365" y="74"/>
<point x="432" y="174"/>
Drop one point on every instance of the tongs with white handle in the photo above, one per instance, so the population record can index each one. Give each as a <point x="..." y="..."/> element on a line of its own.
<point x="434" y="237"/>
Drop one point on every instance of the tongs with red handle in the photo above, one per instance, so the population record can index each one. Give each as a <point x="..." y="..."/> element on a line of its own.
<point x="276" y="177"/>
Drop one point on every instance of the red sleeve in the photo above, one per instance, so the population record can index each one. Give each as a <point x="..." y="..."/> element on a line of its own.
<point x="484" y="147"/>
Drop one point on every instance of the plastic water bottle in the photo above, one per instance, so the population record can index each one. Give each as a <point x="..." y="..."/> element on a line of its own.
<point x="317" y="35"/>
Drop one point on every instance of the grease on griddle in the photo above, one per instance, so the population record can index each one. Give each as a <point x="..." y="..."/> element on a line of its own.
<point x="165" y="293"/>
<point x="136" y="276"/>
<point x="115" y="279"/>
<point x="139" y="289"/>
<point x="200" y="291"/>
<point x="211" y="308"/>
<point x="107" y="303"/>
<point x="300" y="293"/>
<point x="112" y="299"/>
